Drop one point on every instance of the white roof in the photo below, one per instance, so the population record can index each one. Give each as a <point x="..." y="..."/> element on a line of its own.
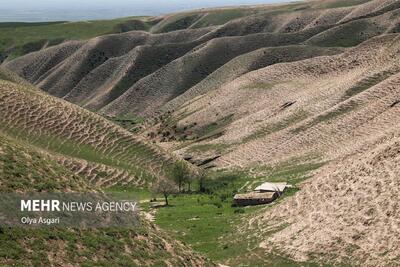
<point x="274" y="187"/>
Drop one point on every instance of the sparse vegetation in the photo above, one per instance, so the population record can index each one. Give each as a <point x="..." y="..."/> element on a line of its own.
<point x="28" y="163"/>
<point x="131" y="123"/>
<point x="114" y="148"/>
<point x="213" y="130"/>
<point x="221" y="17"/>
<point x="278" y="126"/>
<point x="347" y="35"/>
<point x="330" y="115"/>
<point x="180" y="23"/>
<point x="369" y="82"/>
<point x="343" y="3"/>
<point x="219" y="148"/>
<point x="23" y="168"/>
<point x="263" y="86"/>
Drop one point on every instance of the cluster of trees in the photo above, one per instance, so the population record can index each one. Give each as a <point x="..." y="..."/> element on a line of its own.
<point x="181" y="180"/>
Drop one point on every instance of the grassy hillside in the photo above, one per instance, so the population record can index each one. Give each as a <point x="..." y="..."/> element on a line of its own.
<point x="341" y="108"/>
<point x="18" y="38"/>
<point x="40" y="150"/>
<point x="26" y="168"/>
<point x="144" y="246"/>
<point x="67" y="130"/>
<point x="209" y="223"/>
<point x="21" y="38"/>
<point x="199" y="19"/>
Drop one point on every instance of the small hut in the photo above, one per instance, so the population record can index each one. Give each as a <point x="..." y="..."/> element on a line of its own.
<point x="263" y="194"/>
<point x="271" y="187"/>
<point x="254" y="198"/>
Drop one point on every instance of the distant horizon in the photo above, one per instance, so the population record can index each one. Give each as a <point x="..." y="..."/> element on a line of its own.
<point x="75" y="10"/>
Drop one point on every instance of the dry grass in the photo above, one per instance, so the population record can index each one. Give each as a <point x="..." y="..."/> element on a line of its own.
<point x="317" y="89"/>
<point x="135" y="73"/>
<point x="346" y="213"/>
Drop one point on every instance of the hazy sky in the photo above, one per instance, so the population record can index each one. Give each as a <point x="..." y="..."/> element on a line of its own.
<point x="48" y="10"/>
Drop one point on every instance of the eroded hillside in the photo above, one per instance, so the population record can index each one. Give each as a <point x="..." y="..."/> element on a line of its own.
<point x="313" y="83"/>
<point x="25" y="168"/>
<point x="49" y="145"/>
<point x="138" y="73"/>
<point x="79" y="139"/>
<point x="347" y="213"/>
<point x="309" y="107"/>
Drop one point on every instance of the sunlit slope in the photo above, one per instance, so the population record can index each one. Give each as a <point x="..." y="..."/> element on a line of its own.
<point x="347" y="213"/>
<point x="152" y="92"/>
<point x="145" y="245"/>
<point x="246" y="63"/>
<point x="22" y="167"/>
<point x="311" y="107"/>
<point x="299" y="85"/>
<point x="96" y="72"/>
<point x="137" y="73"/>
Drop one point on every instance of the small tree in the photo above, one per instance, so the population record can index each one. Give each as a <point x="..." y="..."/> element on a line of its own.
<point x="201" y="177"/>
<point x="164" y="187"/>
<point x="180" y="173"/>
<point x="189" y="183"/>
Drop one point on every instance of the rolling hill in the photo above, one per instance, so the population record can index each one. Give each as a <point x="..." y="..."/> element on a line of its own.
<point x="49" y="145"/>
<point x="135" y="73"/>
<point x="100" y="148"/>
<point x="313" y="86"/>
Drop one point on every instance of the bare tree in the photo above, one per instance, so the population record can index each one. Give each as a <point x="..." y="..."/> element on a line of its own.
<point x="164" y="187"/>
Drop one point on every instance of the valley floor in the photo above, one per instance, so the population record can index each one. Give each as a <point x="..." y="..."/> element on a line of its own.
<point x="211" y="226"/>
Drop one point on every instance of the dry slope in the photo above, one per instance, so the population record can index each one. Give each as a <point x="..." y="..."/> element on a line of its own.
<point x="347" y="213"/>
<point x="326" y="106"/>
<point x="138" y="73"/>
<point x="343" y="109"/>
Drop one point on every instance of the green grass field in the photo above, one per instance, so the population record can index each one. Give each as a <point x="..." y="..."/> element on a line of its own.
<point x="208" y="222"/>
<point x="24" y="168"/>
<point x="22" y="38"/>
<point x="82" y="247"/>
<point x="219" y="18"/>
